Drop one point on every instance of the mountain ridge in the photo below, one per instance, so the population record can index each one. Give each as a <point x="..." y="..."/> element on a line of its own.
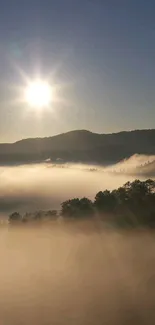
<point x="79" y="130"/>
<point x="80" y="146"/>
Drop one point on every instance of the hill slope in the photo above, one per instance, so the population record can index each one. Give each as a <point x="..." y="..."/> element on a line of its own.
<point x="80" y="146"/>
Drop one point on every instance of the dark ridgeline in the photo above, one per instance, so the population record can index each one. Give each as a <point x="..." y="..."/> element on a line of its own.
<point x="131" y="205"/>
<point x="80" y="146"/>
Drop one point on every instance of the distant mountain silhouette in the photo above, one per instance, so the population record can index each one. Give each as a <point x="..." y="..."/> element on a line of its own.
<point x="80" y="146"/>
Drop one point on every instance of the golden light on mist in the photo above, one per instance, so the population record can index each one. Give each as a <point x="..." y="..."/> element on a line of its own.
<point x="38" y="94"/>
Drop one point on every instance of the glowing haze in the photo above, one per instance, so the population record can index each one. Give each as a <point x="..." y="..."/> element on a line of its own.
<point x="45" y="186"/>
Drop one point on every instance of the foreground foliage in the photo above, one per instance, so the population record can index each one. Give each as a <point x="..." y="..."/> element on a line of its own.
<point x="132" y="204"/>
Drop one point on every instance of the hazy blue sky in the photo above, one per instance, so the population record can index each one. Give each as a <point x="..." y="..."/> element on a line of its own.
<point x="101" y="51"/>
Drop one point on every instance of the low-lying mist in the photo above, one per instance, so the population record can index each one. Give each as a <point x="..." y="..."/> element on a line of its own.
<point x="72" y="272"/>
<point x="61" y="275"/>
<point x="45" y="186"/>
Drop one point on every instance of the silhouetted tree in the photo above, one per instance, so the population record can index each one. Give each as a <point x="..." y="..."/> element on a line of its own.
<point x="77" y="208"/>
<point x="105" y="201"/>
<point x="52" y="213"/>
<point x="15" y="217"/>
<point x="86" y="207"/>
<point x="132" y="204"/>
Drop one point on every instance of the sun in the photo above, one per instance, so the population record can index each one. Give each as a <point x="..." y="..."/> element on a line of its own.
<point x="38" y="94"/>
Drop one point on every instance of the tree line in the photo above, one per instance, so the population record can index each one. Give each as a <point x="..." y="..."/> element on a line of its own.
<point x="132" y="204"/>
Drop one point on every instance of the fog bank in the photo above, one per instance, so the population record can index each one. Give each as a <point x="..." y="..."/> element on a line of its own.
<point x="45" y="186"/>
<point x="63" y="276"/>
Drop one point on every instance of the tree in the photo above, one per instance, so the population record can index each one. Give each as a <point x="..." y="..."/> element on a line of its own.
<point x="140" y="202"/>
<point x="121" y="195"/>
<point x="77" y="208"/>
<point x="86" y="207"/>
<point x="133" y="204"/>
<point x="105" y="201"/>
<point x="15" y="217"/>
<point x="69" y="208"/>
<point x="52" y="214"/>
<point x="139" y="188"/>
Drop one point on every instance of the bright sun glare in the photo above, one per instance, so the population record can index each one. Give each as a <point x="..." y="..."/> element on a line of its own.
<point x="38" y="94"/>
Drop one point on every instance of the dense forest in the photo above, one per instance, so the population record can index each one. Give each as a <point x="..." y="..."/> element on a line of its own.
<point x="133" y="205"/>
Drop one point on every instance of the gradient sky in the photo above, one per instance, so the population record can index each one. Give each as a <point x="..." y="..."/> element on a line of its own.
<point x="100" y="52"/>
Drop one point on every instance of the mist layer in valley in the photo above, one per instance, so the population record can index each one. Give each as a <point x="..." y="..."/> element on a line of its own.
<point x="72" y="272"/>
<point x="45" y="186"/>
<point x="61" y="275"/>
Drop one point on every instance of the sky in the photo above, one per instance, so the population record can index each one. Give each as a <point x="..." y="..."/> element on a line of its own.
<point x="98" y="54"/>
